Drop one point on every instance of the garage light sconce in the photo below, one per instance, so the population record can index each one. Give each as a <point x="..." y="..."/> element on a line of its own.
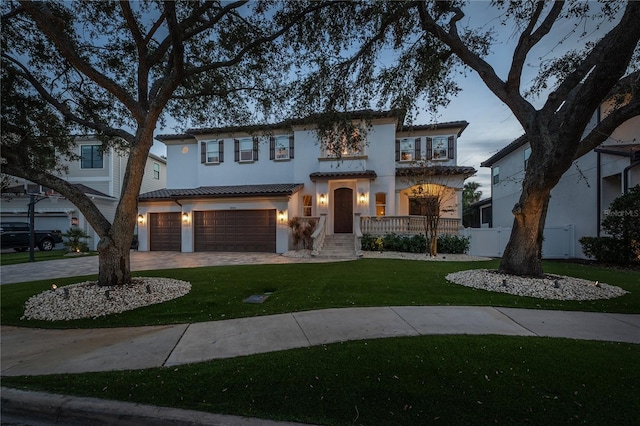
<point x="140" y="219"/>
<point x="282" y="216"/>
<point x="185" y="217"/>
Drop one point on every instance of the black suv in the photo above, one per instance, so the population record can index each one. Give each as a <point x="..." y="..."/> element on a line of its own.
<point x="16" y="235"/>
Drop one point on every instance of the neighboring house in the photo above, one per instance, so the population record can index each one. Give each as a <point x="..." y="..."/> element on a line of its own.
<point x="235" y="188"/>
<point x="98" y="174"/>
<point x="479" y="215"/>
<point x="583" y="194"/>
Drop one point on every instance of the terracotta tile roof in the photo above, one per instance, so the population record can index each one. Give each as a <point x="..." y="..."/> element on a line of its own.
<point x="436" y="171"/>
<point x="278" y="189"/>
<point x="363" y="174"/>
<point x="31" y="188"/>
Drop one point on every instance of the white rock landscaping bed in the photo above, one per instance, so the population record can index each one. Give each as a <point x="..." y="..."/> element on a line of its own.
<point x="567" y="288"/>
<point x="88" y="300"/>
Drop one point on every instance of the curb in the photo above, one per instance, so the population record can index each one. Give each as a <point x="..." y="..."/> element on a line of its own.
<point x="70" y="410"/>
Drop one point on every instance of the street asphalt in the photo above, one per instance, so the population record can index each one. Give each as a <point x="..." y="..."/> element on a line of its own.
<point x="28" y="351"/>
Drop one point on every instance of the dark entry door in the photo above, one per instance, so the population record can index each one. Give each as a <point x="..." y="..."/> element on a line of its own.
<point x="343" y="211"/>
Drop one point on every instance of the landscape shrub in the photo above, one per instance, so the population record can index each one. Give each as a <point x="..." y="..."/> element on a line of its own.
<point x="76" y="240"/>
<point x="622" y="223"/>
<point x="452" y="244"/>
<point x="301" y="232"/>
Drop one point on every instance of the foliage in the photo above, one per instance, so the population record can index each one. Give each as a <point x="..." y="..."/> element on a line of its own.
<point x="622" y="223"/>
<point x="452" y="380"/>
<point x="76" y="240"/>
<point x="301" y="231"/>
<point x="453" y="244"/>
<point x="470" y="195"/>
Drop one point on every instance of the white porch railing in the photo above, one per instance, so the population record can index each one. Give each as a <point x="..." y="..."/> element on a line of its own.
<point x="318" y="235"/>
<point x="405" y="225"/>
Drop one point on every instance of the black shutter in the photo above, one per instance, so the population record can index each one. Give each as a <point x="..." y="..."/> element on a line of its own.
<point x="203" y="152"/>
<point x="417" y="149"/>
<point x="236" y="150"/>
<point x="451" y="142"/>
<point x="272" y="148"/>
<point x="397" y="149"/>
<point x="429" y="153"/>
<point x="291" y="147"/>
<point x="221" y="151"/>
<point x="255" y="149"/>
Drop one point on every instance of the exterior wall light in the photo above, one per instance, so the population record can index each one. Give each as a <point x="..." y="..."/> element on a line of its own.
<point x="323" y="199"/>
<point x="140" y="219"/>
<point x="185" y="217"/>
<point x="282" y="216"/>
<point x="363" y="198"/>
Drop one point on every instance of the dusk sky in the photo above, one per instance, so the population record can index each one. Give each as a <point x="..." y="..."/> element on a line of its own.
<point x="491" y="123"/>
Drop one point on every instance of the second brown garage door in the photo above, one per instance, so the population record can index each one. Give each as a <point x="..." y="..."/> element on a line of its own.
<point x="235" y="230"/>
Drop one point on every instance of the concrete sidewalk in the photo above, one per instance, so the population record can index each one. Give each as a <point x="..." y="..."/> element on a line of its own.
<point x="29" y="351"/>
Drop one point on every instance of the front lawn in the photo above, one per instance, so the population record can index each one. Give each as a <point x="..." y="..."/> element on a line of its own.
<point x="218" y="292"/>
<point x="448" y="380"/>
<point x="13" y="258"/>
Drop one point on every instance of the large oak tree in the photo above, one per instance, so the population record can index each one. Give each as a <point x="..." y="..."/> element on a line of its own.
<point x="430" y="44"/>
<point x="115" y="69"/>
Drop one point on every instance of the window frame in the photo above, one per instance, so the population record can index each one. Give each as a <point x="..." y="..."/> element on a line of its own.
<point x="281" y="144"/>
<point x="95" y="151"/>
<point x="440" y="145"/>
<point x="381" y="205"/>
<point x="209" y="152"/>
<point x="495" y="175"/>
<point x="408" y="152"/>
<point x="307" y="205"/>
<point x="156" y="170"/>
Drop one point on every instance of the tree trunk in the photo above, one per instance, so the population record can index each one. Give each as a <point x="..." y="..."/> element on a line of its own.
<point x="114" y="264"/>
<point x="523" y="254"/>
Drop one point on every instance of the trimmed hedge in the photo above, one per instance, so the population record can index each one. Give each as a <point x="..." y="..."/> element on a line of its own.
<point x="450" y="244"/>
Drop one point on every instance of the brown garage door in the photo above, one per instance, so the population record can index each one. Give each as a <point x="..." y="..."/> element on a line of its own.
<point x="165" y="232"/>
<point x="235" y="230"/>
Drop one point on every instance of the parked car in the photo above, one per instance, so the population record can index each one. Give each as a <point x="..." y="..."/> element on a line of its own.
<point x="16" y="235"/>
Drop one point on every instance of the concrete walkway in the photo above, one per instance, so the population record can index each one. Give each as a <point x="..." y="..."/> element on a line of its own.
<point x="29" y="351"/>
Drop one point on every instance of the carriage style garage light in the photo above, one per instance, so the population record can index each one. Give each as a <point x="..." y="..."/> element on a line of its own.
<point x="185" y="217"/>
<point x="282" y="216"/>
<point x="363" y="198"/>
<point x="323" y="199"/>
<point x="140" y="219"/>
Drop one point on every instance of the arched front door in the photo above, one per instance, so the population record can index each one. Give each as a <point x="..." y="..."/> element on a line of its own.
<point x="343" y="211"/>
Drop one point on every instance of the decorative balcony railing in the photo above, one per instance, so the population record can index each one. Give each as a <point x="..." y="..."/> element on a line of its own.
<point x="405" y="225"/>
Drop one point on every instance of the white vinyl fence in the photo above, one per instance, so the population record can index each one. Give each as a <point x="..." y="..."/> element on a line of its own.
<point x="558" y="243"/>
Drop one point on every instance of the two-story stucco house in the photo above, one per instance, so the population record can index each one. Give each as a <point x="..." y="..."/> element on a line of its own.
<point x="235" y="188"/>
<point x="98" y="173"/>
<point x="582" y="196"/>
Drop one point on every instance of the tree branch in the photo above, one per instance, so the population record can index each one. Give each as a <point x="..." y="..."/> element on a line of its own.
<point x="522" y="109"/>
<point x="528" y="39"/>
<point x="53" y="27"/>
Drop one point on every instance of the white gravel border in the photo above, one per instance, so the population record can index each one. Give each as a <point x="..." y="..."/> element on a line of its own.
<point x="556" y="287"/>
<point x="88" y="300"/>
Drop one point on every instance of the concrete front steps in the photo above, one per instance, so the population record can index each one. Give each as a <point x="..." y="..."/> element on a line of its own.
<point x="338" y="246"/>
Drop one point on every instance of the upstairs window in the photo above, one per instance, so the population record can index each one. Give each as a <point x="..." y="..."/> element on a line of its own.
<point x="91" y="157"/>
<point x="156" y="171"/>
<point x="341" y="146"/>
<point x="408" y="149"/>
<point x="281" y="148"/>
<point x="527" y="154"/>
<point x="212" y="152"/>
<point x="246" y="150"/>
<point x="440" y="148"/>
<point x="495" y="173"/>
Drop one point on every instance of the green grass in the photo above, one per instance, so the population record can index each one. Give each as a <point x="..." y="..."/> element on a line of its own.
<point x="449" y="380"/>
<point x="218" y="292"/>
<point x="23" y="257"/>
